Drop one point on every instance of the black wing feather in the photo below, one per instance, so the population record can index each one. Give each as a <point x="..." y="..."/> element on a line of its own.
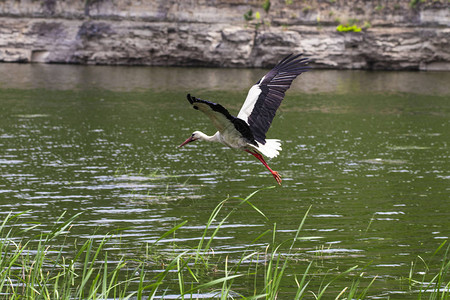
<point x="239" y="125"/>
<point x="214" y="106"/>
<point x="273" y="87"/>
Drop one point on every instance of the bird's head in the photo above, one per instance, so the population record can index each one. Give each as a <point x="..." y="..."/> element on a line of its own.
<point x="196" y="135"/>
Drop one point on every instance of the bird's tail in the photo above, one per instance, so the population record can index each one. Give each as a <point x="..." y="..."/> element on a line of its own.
<point x="270" y="149"/>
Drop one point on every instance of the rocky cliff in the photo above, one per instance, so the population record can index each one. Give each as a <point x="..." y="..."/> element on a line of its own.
<point x="383" y="34"/>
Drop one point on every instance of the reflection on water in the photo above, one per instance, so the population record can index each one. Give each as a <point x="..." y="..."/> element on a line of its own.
<point x="63" y="77"/>
<point x="368" y="151"/>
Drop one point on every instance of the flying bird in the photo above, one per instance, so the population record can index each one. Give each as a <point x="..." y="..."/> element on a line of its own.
<point x="248" y="130"/>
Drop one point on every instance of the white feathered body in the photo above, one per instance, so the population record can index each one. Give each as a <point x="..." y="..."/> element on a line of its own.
<point x="233" y="139"/>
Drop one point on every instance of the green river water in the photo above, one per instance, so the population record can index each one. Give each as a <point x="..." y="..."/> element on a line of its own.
<point x="367" y="151"/>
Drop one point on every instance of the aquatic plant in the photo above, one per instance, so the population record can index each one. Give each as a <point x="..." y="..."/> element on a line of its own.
<point x="437" y="285"/>
<point x="36" y="268"/>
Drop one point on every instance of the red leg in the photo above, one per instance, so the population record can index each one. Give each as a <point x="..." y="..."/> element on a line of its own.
<point x="261" y="159"/>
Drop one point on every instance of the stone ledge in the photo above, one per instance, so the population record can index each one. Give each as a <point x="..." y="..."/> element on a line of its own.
<point x="199" y="44"/>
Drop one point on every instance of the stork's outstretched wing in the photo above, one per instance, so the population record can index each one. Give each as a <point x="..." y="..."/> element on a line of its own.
<point x="221" y="118"/>
<point x="265" y="97"/>
<point x="218" y="114"/>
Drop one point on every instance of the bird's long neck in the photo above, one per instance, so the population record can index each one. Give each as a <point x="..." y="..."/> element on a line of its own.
<point x="209" y="138"/>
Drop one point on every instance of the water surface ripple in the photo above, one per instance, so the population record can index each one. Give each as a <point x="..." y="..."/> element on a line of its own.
<point x="367" y="151"/>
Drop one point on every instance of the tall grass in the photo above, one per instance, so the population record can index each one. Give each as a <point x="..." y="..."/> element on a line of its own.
<point x="435" y="286"/>
<point x="40" y="269"/>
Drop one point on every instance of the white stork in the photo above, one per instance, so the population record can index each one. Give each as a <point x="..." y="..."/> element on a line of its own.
<point x="248" y="130"/>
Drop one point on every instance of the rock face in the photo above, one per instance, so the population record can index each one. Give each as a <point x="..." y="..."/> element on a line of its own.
<point x="396" y="34"/>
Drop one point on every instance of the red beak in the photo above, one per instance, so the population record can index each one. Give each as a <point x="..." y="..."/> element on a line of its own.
<point x="190" y="139"/>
